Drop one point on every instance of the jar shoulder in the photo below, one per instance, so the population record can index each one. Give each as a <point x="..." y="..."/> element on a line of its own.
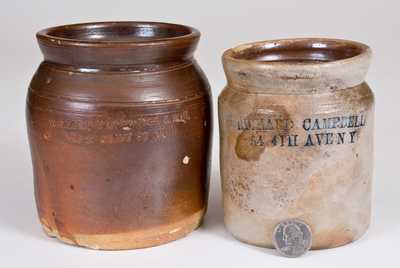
<point x="165" y="85"/>
<point x="328" y="102"/>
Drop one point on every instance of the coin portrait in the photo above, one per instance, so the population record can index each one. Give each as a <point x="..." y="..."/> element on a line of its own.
<point x="292" y="238"/>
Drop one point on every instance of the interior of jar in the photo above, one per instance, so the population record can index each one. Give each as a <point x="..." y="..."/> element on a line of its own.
<point x="301" y="51"/>
<point x="119" y="32"/>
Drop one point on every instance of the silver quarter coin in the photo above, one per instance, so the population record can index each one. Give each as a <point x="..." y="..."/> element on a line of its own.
<point x="292" y="238"/>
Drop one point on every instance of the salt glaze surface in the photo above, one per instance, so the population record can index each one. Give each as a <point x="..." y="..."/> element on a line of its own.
<point x="119" y="123"/>
<point x="296" y="139"/>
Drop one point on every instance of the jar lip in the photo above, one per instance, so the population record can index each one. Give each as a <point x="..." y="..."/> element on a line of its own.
<point x="241" y="54"/>
<point x="119" y="43"/>
<point x="117" y="33"/>
<point x="297" y="66"/>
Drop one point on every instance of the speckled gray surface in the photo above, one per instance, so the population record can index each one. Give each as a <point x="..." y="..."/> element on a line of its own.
<point x="300" y="149"/>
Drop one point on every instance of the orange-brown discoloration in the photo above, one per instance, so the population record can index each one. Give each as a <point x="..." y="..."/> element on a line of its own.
<point x="246" y="152"/>
<point x="250" y="144"/>
<point x="131" y="240"/>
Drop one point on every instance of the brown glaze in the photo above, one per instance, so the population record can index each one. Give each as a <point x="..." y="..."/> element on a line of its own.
<point x="119" y="122"/>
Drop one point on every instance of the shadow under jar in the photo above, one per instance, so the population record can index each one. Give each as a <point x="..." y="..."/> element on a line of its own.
<point x="296" y="127"/>
<point x="119" y="123"/>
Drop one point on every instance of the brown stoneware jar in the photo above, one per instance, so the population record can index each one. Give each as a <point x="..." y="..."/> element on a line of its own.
<point x="296" y="127"/>
<point x="119" y="122"/>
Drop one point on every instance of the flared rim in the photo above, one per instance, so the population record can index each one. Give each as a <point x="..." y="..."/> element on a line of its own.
<point x="94" y="34"/>
<point x="297" y="66"/>
<point x="237" y="54"/>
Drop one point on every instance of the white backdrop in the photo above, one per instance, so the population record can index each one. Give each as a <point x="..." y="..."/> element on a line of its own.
<point x="223" y="24"/>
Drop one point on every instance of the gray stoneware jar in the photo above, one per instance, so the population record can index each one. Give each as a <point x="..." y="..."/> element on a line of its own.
<point x="296" y="136"/>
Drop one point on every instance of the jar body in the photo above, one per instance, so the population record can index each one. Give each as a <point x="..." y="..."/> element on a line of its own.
<point x="305" y="156"/>
<point x="120" y="157"/>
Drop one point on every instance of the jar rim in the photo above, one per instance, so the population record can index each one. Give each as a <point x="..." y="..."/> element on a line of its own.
<point x="346" y="50"/>
<point x="297" y="65"/>
<point x="118" y="43"/>
<point x="112" y="33"/>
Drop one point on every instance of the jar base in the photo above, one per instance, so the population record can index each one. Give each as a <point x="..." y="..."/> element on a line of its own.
<point x="319" y="246"/>
<point x="132" y="240"/>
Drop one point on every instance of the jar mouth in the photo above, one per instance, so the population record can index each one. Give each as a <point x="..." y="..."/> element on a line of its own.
<point x="297" y="51"/>
<point x="114" y="44"/>
<point x="297" y="66"/>
<point x="117" y="33"/>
